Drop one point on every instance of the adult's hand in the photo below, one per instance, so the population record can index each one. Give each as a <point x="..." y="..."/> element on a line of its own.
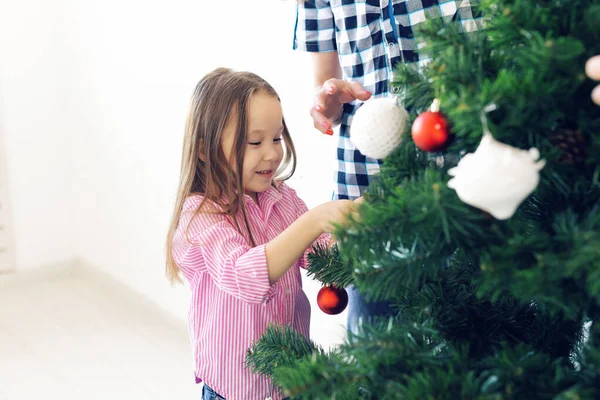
<point x="327" y="109"/>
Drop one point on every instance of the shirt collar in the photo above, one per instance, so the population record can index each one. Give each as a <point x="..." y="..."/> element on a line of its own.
<point x="266" y="200"/>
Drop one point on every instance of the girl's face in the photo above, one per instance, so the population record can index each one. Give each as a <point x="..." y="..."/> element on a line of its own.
<point x="264" y="147"/>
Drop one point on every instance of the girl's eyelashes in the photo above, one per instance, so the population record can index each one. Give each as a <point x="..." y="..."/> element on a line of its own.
<point x="276" y="140"/>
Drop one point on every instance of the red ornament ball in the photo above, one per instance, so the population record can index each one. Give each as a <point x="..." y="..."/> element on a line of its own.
<point x="332" y="300"/>
<point x="430" y="131"/>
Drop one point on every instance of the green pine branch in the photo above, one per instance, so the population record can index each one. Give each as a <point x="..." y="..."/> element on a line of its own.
<point x="486" y="309"/>
<point x="327" y="265"/>
<point x="279" y="347"/>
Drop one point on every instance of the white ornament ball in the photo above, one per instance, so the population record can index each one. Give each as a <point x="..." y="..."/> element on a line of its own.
<point x="378" y="126"/>
<point x="497" y="177"/>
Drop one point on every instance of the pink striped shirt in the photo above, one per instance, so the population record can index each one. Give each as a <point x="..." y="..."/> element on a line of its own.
<point x="232" y="301"/>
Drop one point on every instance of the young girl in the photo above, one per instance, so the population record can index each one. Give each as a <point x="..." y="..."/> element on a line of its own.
<point x="239" y="235"/>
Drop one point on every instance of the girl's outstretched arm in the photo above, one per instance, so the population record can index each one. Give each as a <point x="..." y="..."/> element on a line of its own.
<point x="213" y="245"/>
<point x="285" y="249"/>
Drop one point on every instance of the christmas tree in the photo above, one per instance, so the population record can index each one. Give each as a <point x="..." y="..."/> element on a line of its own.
<point x="488" y="241"/>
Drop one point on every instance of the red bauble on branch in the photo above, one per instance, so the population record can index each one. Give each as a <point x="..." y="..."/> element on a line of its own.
<point x="332" y="300"/>
<point x="430" y="130"/>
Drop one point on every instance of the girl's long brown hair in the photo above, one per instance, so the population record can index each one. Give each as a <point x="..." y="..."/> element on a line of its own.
<point x="220" y="95"/>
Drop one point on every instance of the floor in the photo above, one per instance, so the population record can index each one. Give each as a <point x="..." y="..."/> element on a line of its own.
<point x="71" y="334"/>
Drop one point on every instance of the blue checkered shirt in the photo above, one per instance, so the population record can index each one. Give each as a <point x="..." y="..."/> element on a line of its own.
<point x="371" y="37"/>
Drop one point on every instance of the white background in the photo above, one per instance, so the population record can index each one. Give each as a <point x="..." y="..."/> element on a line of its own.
<point x="93" y="97"/>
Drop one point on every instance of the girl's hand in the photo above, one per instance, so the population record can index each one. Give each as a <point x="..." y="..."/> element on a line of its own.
<point x="355" y="215"/>
<point x="592" y="68"/>
<point x="327" y="109"/>
<point x="336" y="212"/>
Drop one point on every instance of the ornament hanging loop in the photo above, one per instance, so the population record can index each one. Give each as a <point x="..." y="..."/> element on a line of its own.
<point x="395" y="100"/>
<point x="484" y="122"/>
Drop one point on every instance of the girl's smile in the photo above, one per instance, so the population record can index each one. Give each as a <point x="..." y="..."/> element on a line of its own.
<point x="267" y="173"/>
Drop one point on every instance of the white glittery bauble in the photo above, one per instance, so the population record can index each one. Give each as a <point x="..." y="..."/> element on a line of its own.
<point x="378" y="126"/>
<point x="497" y="177"/>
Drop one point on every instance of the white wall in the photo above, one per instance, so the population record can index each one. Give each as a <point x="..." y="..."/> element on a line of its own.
<point x="37" y="145"/>
<point x="112" y="80"/>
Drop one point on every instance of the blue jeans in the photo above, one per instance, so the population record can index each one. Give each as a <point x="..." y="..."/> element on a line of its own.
<point x="359" y="308"/>
<point x="209" y="394"/>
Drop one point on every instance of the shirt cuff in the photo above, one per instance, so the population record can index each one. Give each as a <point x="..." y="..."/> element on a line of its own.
<point x="254" y="275"/>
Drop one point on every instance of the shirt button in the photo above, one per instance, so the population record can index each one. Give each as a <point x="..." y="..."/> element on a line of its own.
<point x="391" y="44"/>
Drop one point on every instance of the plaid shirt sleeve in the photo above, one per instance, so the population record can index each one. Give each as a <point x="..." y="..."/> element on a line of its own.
<point x="315" y="27"/>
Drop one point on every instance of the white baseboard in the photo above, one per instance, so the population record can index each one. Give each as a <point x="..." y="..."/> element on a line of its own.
<point x="74" y="268"/>
<point x="49" y="270"/>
